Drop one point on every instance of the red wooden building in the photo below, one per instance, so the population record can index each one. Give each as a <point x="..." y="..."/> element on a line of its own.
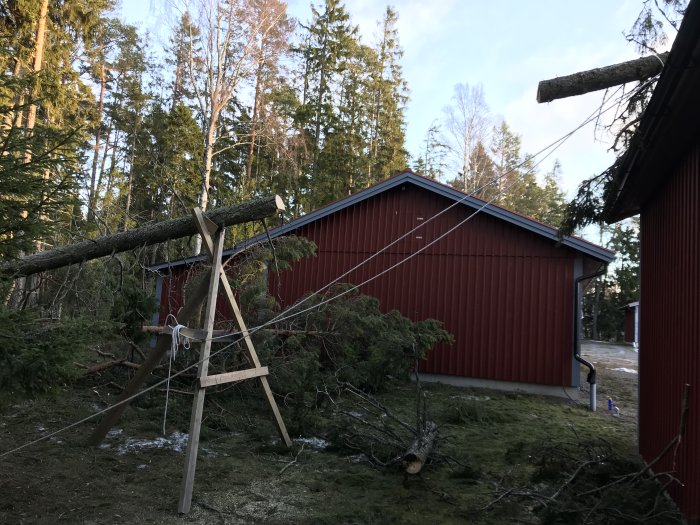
<point x="660" y="178"/>
<point x="501" y="283"/>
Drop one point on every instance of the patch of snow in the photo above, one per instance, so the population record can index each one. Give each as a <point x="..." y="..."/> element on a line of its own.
<point x="40" y="429"/>
<point x="141" y="466"/>
<point x="176" y="442"/>
<point x="627" y="370"/>
<point x="314" y="442"/>
<point x="115" y="432"/>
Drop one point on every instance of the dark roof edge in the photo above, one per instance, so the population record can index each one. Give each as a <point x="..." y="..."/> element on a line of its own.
<point x="649" y="139"/>
<point x="522" y="221"/>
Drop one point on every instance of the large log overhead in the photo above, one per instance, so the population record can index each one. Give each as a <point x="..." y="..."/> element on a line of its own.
<point x="146" y="235"/>
<point x="600" y="78"/>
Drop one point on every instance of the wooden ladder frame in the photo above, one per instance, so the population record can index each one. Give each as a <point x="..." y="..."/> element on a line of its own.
<point x="207" y="290"/>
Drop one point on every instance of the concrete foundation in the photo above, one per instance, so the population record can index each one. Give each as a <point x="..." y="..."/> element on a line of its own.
<point x="506" y="386"/>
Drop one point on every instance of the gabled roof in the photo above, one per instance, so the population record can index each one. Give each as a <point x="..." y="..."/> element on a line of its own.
<point x="668" y="127"/>
<point x="443" y="190"/>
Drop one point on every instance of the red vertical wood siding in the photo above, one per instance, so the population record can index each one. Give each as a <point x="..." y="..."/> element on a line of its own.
<point x="669" y="354"/>
<point x="174" y="289"/>
<point x="506" y="294"/>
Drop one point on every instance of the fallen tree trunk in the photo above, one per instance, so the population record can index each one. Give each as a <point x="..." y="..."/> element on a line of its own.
<point x="420" y="449"/>
<point x="146" y="235"/>
<point x="600" y="78"/>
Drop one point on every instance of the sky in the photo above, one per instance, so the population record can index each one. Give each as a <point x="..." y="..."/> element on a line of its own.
<point x="507" y="46"/>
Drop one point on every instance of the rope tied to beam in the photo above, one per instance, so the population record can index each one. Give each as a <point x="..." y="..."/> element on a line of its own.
<point x="177" y="339"/>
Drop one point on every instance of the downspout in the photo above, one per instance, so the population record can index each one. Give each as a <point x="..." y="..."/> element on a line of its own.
<point x="591" y="378"/>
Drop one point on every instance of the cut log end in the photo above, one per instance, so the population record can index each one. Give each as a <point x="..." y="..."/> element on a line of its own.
<point x="414" y="467"/>
<point x="279" y="203"/>
<point x="420" y="449"/>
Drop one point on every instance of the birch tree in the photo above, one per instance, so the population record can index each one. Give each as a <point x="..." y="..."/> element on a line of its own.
<point x="220" y="60"/>
<point x="467" y="124"/>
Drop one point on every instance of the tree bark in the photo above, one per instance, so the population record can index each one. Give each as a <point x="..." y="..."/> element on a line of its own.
<point x="600" y="78"/>
<point x="146" y="235"/>
<point x="38" y="59"/>
<point x="92" y="197"/>
<point x="420" y="449"/>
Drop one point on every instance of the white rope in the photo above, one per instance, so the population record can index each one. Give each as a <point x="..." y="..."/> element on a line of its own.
<point x="177" y="339"/>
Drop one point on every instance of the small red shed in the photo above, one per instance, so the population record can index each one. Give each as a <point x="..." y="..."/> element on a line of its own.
<point x="659" y="177"/>
<point x="502" y="284"/>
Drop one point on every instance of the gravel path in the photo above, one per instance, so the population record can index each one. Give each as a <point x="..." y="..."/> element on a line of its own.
<point x="617" y="377"/>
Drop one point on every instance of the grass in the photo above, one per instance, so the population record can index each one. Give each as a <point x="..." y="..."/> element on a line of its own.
<point x="527" y="445"/>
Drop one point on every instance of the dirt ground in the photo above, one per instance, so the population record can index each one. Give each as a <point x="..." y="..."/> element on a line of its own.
<point x="617" y="378"/>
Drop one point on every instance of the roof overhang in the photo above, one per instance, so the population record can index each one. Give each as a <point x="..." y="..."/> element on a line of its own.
<point x="668" y="128"/>
<point x="408" y="177"/>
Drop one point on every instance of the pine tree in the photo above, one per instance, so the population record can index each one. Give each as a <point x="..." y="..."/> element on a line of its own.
<point x="45" y="107"/>
<point x="431" y="163"/>
<point x="505" y="153"/>
<point x="387" y="152"/>
<point x="326" y="51"/>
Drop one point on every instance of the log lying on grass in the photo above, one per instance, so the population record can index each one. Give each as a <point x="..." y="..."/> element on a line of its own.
<point x="600" y="78"/>
<point x="144" y="236"/>
<point x="420" y="449"/>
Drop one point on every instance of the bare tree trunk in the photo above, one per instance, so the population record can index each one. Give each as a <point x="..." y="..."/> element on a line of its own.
<point x="600" y="78"/>
<point x="248" y="184"/>
<point x="27" y="288"/>
<point x="130" y="184"/>
<point x="14" y="116"/>
<point x="38" y="59"/>
<point x="103" y="162"/>
<point x="206" y="174"/>
<point x="92" y="198"/>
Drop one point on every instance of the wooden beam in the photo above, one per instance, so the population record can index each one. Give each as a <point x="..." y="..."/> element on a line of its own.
<point x="198" y="403"/>
<point x="250" y="349"/>
<point x="188" y="311"/>
<point x="150" y="234"/>
<point x="253" y="356"/>
<point x="600" y="78"/>
<point x="197" y="335"/>
<point x="230" y="377"/>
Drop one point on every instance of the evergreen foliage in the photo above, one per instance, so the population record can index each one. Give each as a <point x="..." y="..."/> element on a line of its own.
<point x="348" y="339"/>
<point x="38" y="354"/>
<point x="606" y="299"/>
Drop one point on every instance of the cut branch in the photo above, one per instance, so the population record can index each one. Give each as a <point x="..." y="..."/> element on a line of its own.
<point x="600" y="78"/>
<point x="146" y="235"/>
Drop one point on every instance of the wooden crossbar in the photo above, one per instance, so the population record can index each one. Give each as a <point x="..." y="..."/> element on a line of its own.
<point x="230" y="377"/>
<point x="199" y="335"/>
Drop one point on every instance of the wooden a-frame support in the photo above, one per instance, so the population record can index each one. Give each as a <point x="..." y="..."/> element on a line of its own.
<point x="208" y="290"/>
